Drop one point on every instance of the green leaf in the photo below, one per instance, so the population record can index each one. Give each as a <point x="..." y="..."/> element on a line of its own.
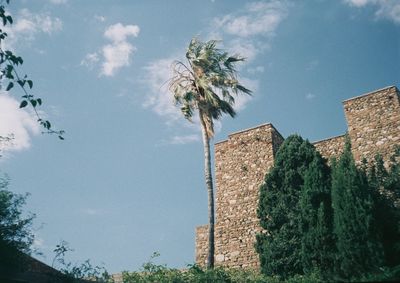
<point x="33" y="102"/>
<point x="234" y="59"/>
<point x="10" y="86"/>
<point x="21" y="82"/>
<point x="47" y="125"/>
<point x="23" y="104"/>
<point x="30" y="83"/>
<point x="39" y="101"/>
<point x="61" y="138"/>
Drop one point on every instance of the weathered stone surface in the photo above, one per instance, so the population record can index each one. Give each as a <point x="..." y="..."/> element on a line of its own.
<point x="201" y="245"/>
<point x="374" y="123"/>
<point x="331" y="147"/>
<point x="242" y="161"/>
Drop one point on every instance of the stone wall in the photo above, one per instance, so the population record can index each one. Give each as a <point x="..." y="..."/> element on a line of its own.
<point x="201" y="245"/>
<point x="374" y="123"/>
<point x="240" y="166"/>
<point x="242" y="161"/>
<point x="331" y="147"/>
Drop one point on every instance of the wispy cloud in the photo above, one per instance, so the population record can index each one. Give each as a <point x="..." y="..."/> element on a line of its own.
<point x="184" y="139"/>
<point x="116" y="54"/>
<point x="90" y="60"/>
<point x="16" y="122"/>
<point x="28" y="25"/>
<point x="258" y="18"/>
<point x="249" y="31"/>
<point x="385" y="9"/>
<point x="158" y="98"/>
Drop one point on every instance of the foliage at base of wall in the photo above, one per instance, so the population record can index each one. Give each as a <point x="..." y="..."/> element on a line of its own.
<point x="152" y="273"/>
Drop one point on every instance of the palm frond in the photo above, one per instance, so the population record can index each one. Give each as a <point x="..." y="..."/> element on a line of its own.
<point x="207" y="82"/>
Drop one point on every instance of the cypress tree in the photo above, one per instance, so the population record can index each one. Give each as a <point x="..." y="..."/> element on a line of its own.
<point x="358" y="251"/>
<point x="280" y="247"/>
<point x="317" y="218"/>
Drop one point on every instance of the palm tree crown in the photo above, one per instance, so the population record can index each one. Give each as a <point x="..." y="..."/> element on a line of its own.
<point x="207" y="83"/>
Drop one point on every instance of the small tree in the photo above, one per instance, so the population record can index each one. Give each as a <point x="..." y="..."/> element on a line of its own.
<point x="15" y="230"/>
<point x="206" y="85"/>
<point x="358" y="250"/>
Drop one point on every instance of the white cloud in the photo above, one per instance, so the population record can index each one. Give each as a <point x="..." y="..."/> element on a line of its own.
<point x="28" y="25"/>
<point x="385" y="9"/>
<point x="116" y="54"/>
<point x="16" y="122"/>
<point x="119" y="33"/>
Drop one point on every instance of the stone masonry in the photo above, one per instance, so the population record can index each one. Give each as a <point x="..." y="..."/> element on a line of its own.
<point x="242" y="161"/>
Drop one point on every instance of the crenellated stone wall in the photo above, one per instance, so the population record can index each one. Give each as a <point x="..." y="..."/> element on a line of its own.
<point x="242" y="161"/>
<point x="374" y="122"/>
<point x="240" y="166"/>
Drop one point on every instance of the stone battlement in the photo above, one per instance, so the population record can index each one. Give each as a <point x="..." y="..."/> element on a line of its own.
<point x="242" y="161"/>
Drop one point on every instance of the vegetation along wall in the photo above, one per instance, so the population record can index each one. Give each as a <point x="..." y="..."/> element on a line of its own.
<point x="242" y="161"/>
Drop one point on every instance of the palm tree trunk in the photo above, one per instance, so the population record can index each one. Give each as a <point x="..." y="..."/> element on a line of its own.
<point x="210" y="190"/>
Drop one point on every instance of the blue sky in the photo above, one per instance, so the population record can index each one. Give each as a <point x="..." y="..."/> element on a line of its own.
<point x="128" y="179"/>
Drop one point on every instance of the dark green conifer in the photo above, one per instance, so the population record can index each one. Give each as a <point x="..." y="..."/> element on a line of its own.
<point x="280" y="248"/>
<point x="358" y="250"/>
<point x="317" y="218"/>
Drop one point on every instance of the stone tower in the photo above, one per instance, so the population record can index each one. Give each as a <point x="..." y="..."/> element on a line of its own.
<point x="242" y="161"/>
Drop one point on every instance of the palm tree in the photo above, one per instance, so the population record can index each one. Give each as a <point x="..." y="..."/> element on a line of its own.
<point x="205" y="86"/>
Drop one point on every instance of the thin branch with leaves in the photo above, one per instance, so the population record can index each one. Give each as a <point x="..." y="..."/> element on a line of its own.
<point x="8" y="63"/>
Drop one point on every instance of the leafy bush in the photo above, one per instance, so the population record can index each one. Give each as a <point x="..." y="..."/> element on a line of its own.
<point x="152" y="273"/>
